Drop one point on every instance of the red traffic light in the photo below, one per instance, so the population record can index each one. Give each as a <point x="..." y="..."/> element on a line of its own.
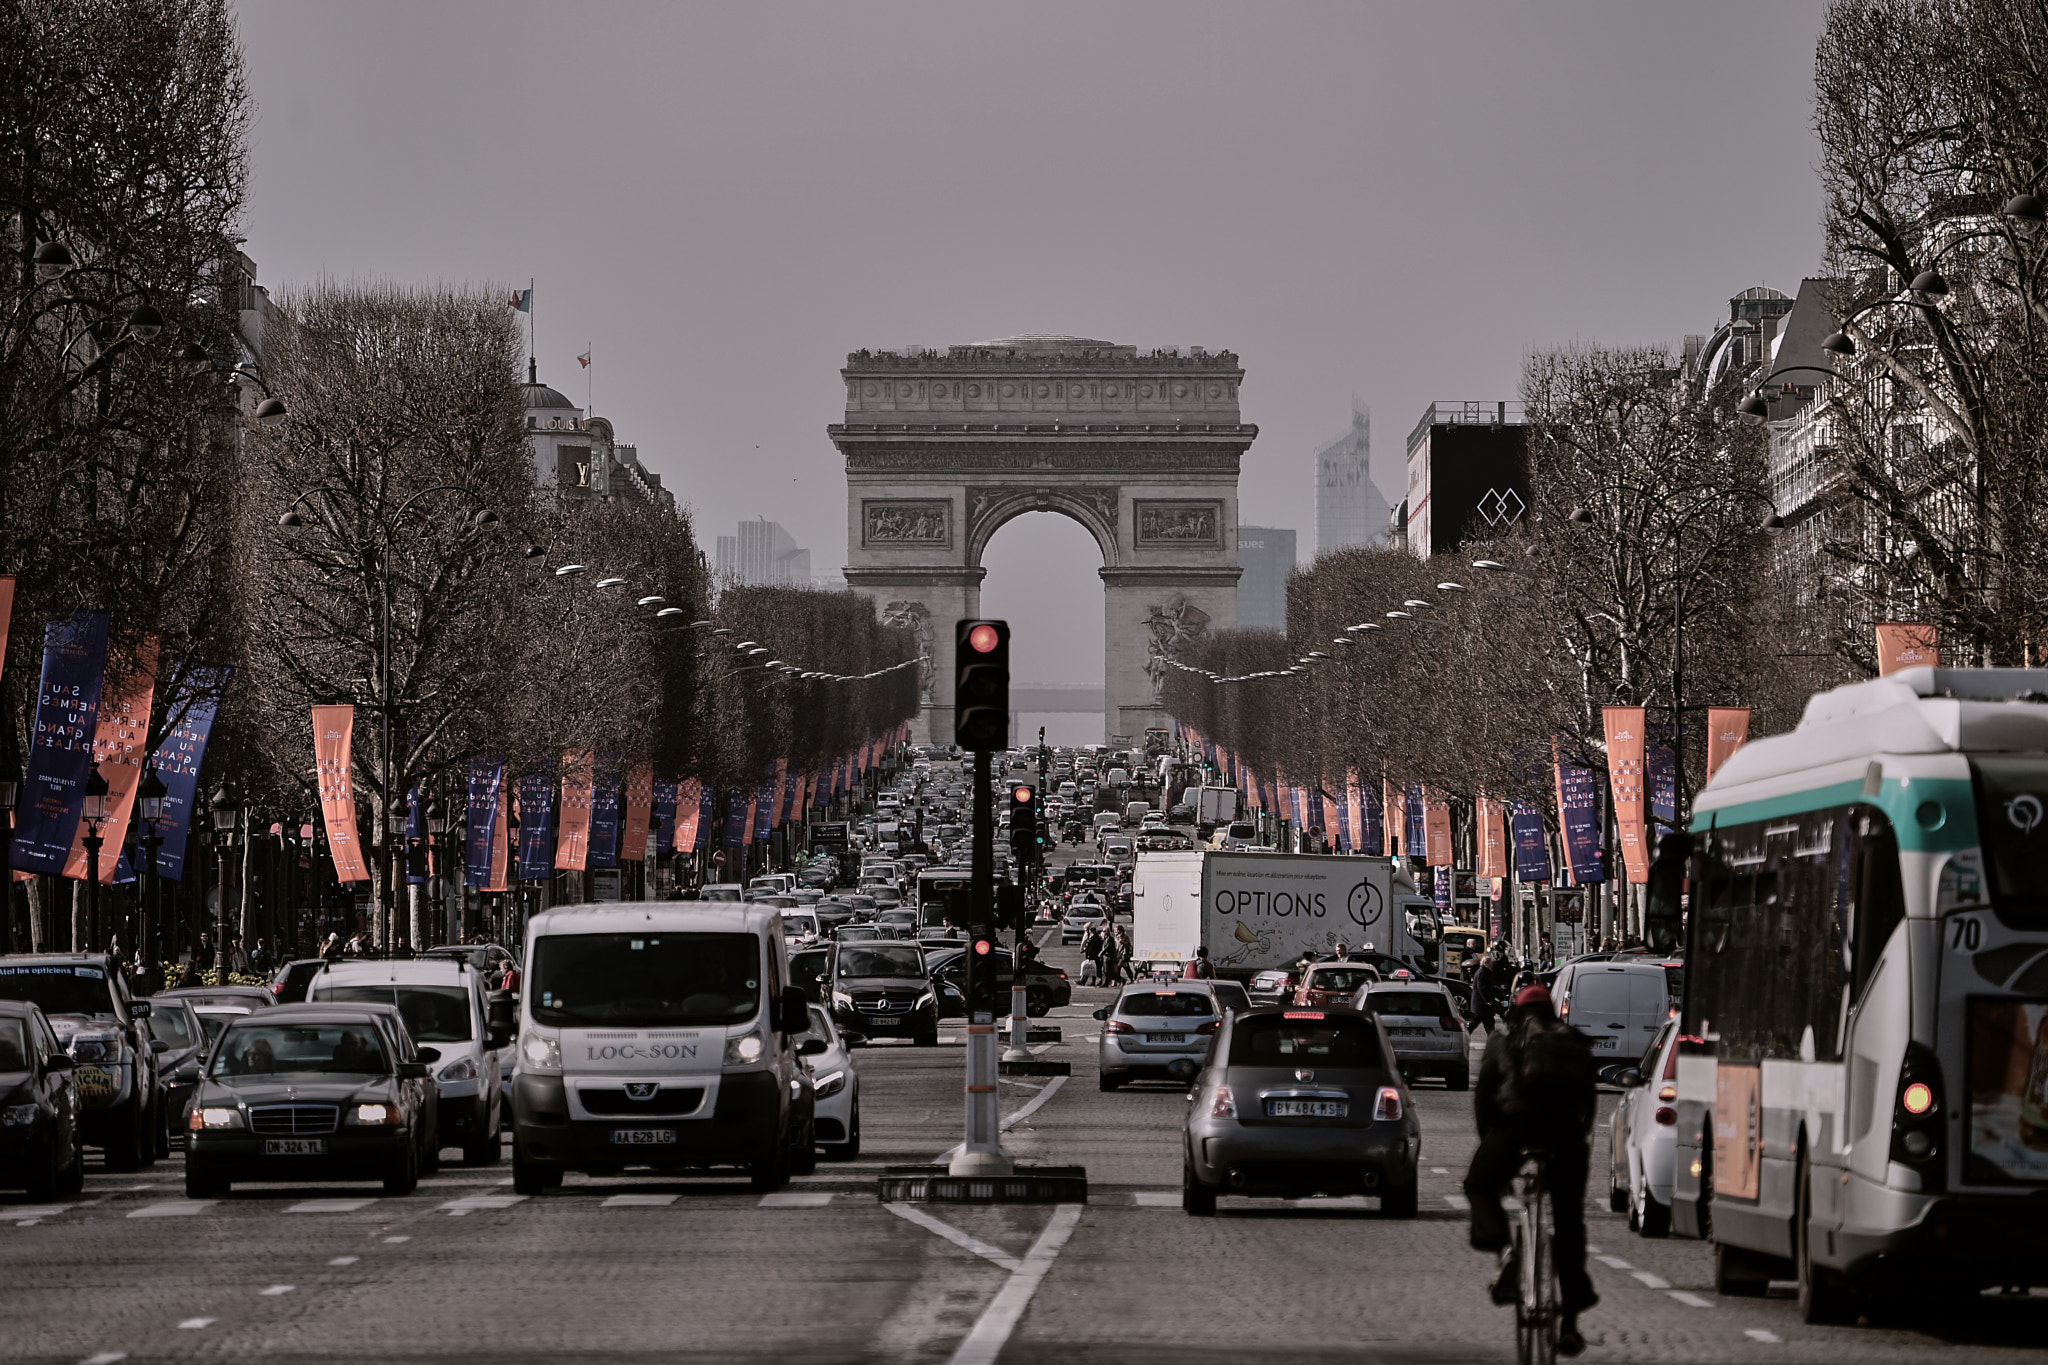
<point x="1022" y="793"/>
<point x="981" y="947"/>
<point x="983" y="638"/>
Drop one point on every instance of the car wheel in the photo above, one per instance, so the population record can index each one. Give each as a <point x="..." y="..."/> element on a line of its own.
<point x="484" y="1152"/>
<point x="1459" y="1077"/>
<point x="1617" y="1198"/>
<point x="163" y="1132"/>
<point x="1196" y="1199"/>
<point x="201" y="1183"/>
<point x="404" y="1173"/>
<point x="530" y="1177"/>
<point x="1036" y="1006"/>
<point x="1402" y="1200"/>
<point x="47" y="1174"/>
<point x="772" y="1172"/>
<point x="72" y="1181"/>
<point x="1653" y="1219"/>
<point x="123" y="1150"/>
<point x="849" y="1149"/>
<point x="1109" y="1080"/>
<point x="928" y="1038"/>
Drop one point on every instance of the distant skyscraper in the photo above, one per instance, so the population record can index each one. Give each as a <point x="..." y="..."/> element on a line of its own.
<point x="1267" y="555"/>
<point x="1350" y="509"/>
<point x="762" y="554"/>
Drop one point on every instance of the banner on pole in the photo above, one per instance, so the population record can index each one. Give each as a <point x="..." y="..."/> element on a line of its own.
<point x="579" y="791"/>
<point x="333" y="754"/>
<point x="1578" y="820"/>
<point x="177" y="761"/>
<point x="1493" y="853"/>
<point x="120" y="737"/>
<point x="1624" y="727"/>
<point x="664" y="815"/>
<point x="1905" y="644"/>
<point x="1436" y="828"/>
<point x="536" y="815"/>
<point x="1727" y="731"/>
<point x="60" y="748"/>
<point x="604" y="823"/>
<point x="486" y="783"/>
<point x="634" y="846"/>
<point x="1532" y="850"/>
<point x="690" y="814"/>
<point x="1418" y="822"/>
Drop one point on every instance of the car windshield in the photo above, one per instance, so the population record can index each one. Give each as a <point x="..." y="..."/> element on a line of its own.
<point x="13" y="1045"/>
<point x="1305" y="1036"/>
<point x="354" y="1049"/>
<point x="432" y="1014"/>
<point x="170" y="1022"/>
<point x="1167" y="1002"/>
<point x="216" y="1021"/>
<point x="721" y="893"/>
<point x="905" y="961"/>
<point x="645" y="980"/>
<point x="1231" y="996"/>
<point x="59" y="989"/>
<point x="1340" y="978"/>
<point x="1406" y="1003"/>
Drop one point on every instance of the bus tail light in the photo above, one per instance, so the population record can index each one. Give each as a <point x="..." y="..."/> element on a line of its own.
<point x="1917" y="1116"/>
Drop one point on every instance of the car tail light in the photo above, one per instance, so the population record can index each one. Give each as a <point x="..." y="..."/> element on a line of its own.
<point x="1221" y="1106"/>
<point x="1117" y="1026"/>
<point x="1667" y="1092"/>
<point x="1387" y="1107"/>
<point x="1447" y="1023"/>
<point x="1564" y="1011"/>
<point x="277" y="988"/>
<point x="1210" y="1027"/>
<point x="1666" y="1114"/>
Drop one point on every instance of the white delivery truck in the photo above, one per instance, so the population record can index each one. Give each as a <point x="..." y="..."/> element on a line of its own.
<point x="1166" y="910"/>
<point x="1213" y="805"/>
<point x="1262" y="911"/>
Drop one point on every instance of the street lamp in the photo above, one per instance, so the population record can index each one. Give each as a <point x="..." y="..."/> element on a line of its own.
<point x="149" y="795"/>
<point x="227" y="820"/>
<point x="97" y="811"/>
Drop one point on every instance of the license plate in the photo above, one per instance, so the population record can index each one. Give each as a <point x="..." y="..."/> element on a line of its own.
<point x="1603" y="1044"/>
<point x="1307" y="1109"/>
<point x="643" y="1137"/>
<point x="1168" y="1037"/>
<point x="1405" y="1032"/>
<point x="294" y="1146"/>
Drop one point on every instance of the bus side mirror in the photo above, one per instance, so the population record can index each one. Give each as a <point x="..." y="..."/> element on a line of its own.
<point x="1663" y="914"/>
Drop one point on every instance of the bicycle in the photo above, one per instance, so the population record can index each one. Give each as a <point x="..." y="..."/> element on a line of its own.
<point x="1537" y="1310"/>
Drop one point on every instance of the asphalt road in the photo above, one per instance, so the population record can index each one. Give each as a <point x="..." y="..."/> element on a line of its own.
<point x="704" y="1270"/>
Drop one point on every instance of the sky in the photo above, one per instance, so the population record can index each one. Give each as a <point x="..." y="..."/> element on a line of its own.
<point x="1392" y="202"/>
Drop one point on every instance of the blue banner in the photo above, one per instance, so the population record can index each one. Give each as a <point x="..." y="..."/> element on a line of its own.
<point x="1443" y="891"/>
<point x="536" y="829"/>
<point x="177" y="761"/>
<point x="604" y="823"/>
<point x="705" y="800"/>
<point x="764" y="806"/>
<point x="1371" y="826"/>
<point x="1662" y="781"/>
<point x="60" y="749"/>
<point x="1578" y="818"/>
<point x="664" y="815"/>
<point x="1415" y="839"/>
<point x="1532" y="850"/>
<point x="735" y="818"/>
<point x="486" y="780"/>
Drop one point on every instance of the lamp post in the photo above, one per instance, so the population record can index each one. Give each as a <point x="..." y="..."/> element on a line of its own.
<point x="96" y="814"/>
<point x="149" y="795"/>
<point x="397" y="815"/>
<point x="10" y="793"/>
<point x="437" y="826"/>
<point x="227" y="820"/>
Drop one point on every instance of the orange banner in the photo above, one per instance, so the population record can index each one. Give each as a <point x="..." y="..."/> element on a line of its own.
<point x="501" y="842"/>
<point x="633" y="842"/>
<point x="118" y="748"/>
<point x="1436" y="828"/>
<point x="689" y="805"/>
<point x="1493" y="843"/>
<point x="1331" y="813"/>
<point x="1727" y="729"/>
<point x="333" y="739"/>
<point x="1393" y="817"/>
<point x="1905" y="644"/>
<point x="579" y="790"/>
<point x="1624" y="726"/>
<point x="1354" y="810"/>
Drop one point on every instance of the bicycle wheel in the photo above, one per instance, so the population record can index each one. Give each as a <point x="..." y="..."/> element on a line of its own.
<point x="1536" y="1306"/>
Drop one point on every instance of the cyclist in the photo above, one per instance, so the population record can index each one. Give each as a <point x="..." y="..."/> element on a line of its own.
<point x="1536" y="1090"/>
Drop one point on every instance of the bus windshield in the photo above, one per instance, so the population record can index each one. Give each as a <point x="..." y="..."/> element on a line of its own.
<point x="2012" y="823"/>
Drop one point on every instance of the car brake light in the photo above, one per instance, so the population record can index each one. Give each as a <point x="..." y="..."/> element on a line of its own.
<point x="1447" y="1023"/>
<point x="1387" y="1107"/>
<point x="1221" y="1106"/>
<point x="1917" y="1098"/>
<point x="1564" y="1011"/>
<point x="1210" y="1027"/>
<point x="1666" y="1115"/>
<point x="1303" y="1014"/>
<point x="1667" y="1093"/>
<point x="1117" y="1026"/>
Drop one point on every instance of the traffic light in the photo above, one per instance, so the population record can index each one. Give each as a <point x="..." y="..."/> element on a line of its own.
<point x="1023" y="819"/>
<point x="981" y="686"/>
<point x="1010" y="913"/>
<point x="981" y="977"/>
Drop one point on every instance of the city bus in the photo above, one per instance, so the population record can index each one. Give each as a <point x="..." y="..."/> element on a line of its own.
<point x="1862" y="1073"/>
<point x="942" y="897"/>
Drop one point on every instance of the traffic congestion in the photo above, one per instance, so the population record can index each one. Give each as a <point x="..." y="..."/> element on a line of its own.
<point x="755" y="1049"/>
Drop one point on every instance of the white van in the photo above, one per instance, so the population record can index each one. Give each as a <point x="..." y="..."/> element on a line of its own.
<point x="660" y="1034"/>
<point x="1618" y="1005"/>
<point x="446" y="1007"/>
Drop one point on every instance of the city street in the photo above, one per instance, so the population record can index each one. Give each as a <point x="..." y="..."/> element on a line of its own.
<point x="701" y="1269"/>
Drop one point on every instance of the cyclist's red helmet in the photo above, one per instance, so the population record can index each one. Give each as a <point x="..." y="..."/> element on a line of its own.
<point x="1532" y="995"/>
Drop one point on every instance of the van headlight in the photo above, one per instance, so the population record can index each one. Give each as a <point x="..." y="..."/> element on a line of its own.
<point x="926" y="999"/>
<point x="465" y="1069"/>
<point x="841" y="1000"/>
<point x="744" y="1050"/>
<point x="542" y="1054"/>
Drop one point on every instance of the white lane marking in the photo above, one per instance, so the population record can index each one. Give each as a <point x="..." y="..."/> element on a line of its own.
<point x="966" y="1241"/>
<point x="1650" y="1281"/>
<point x="1028" y="1085"/>
<point x="1760" y="1334"/>
<point x="470" y="1203"/>
<point x="1694" y="1300"/>
<point x="1615" y="1261"/>
<point x="993" y="1329"/>
<point x="1156" y="1199"/>
<point x="638" y="1201"/>
<point x="29" y="1213"/>
<point x="194" y="1324"/>
<point x="398" y="1239"/>
<point x="1457" y="1201"/>
<point x="277" y="1289"/>
<point x="1052" y="1087"/>
<point x="329" y="1205"/>
<point x="943" y="1038"/>
<point x="1038" y="1050"/>
<point x="345" y="1260"/>
<point x="796" y="1199"/>
<point x="174" y="1208"/>
<point x="104" y="1358"/>
<point x="1592" y="1249"/>
<point x="1434" y="1170"/>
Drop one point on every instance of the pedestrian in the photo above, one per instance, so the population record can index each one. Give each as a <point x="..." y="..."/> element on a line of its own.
<point x="1200" y="968"/>
<point x="1091" y="956"/>
<point x="331" y="950"/>
<point x="1490" y="987"/>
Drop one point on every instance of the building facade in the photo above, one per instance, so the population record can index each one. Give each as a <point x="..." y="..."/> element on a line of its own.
<point x="579" y="456"/>
<point x="1266" y="554"/>
<point x="1350" y="509"/>
<point x="1468" y="476"/>
<point x="760" y="553"/>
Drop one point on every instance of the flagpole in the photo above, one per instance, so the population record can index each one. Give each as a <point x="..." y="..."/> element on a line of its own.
<point x="589" y="382"/>
<point x="532" y="349"/>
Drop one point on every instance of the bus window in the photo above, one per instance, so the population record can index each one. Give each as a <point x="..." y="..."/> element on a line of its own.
<point x="2012" y="822"/>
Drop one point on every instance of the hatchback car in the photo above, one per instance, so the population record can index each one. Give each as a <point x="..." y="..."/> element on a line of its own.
<point x="41" y="1147"/>
<point x="1422" y="1022"/>
<point x="1158" y="1032"/>
<point x="1333" y="983"/>
<point x="1082" y="914"/>
<point x="1645" y="1136"/>
<point x="306" y="1093"/>
<point x="1293" y="1102"/>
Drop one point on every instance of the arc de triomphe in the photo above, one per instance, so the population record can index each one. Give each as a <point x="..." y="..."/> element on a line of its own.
<point x="1142" y="450"/>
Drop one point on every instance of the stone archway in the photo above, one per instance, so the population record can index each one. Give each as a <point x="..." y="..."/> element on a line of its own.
<point x="942" y="449"/>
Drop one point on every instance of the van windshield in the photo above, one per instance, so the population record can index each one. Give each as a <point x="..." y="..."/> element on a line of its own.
<point x="432" y="1014"/>
<point x="647" y="980"/>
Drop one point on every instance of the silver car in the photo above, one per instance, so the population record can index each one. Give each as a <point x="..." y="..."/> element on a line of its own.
<point x="1423" y="1023"/>
<point x="837" y="1086"/>
<point x="1158" y="1031"/>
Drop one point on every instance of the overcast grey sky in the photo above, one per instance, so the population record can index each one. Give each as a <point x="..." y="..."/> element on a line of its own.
<point x="1395" y="201"/>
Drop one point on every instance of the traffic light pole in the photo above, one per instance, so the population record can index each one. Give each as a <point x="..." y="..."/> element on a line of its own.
<point x="982" y="1153"/>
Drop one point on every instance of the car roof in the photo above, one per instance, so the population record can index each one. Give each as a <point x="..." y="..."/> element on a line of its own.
<point x="438" y="971"/>
<point x="1407" y="984"/>
<point x="13" y="1007"/>
<point x="676" y="917"/>
<point x="322" y="1012"/>
<point x="223" y="994"/>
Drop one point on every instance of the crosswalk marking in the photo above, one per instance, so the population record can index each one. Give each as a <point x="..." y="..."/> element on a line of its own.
<point x="345" y="1260"/>
<point x="194" y="1324"/>
<point x="400" y="1238"/>
<point x="1156" y="1199"/>
<point x="470" y="1203"/>
<point x="796" y="1199"/>
<point x="30" y="1214"/>
<point x="1760" y="1334"/>
<point x="277" y="1289"/>
<point x="329" y="1205"/>
<point x="1694" y="1301"/>
<point x="175" y="1208"/>
<point x="638" y="1201"/>
<point x="104" y="1358"/>
<point x="1650" y="1281"/>
<point x="1457" y="1201"/>
<point x="1614" y="1262"/>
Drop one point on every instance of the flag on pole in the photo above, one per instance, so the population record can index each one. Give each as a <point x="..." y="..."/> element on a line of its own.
<point x="522" y="300"/>
<point x="584" y="359"/>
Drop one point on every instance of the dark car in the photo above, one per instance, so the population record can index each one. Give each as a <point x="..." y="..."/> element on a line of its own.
<point x="1293" y="1102"/>
<point x="173" y="1023"/>
<point x="85" y="999"/>
<point x="40" y="1150"/>
<point x="1182" y="814"/>
<point x="1045" y="988"/>
<point x="288" y="987"/>
<point x="805" y="967"/>
<point x="307" y="1092"/>
<point x="881" y="989"/>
